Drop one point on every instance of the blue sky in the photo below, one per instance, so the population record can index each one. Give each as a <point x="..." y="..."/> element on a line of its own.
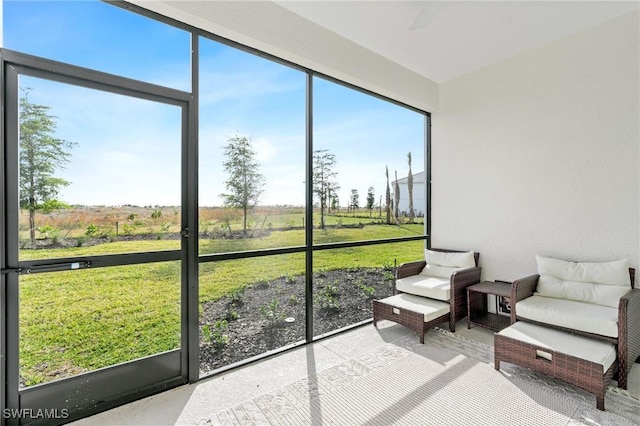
<point x="128" y="149"/>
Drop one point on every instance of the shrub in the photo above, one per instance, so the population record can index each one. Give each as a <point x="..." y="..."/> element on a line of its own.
<point x="236" y="295"/>
<point x="272" y="313"/>
<point x="47" y="231"/>
<point x="215" y="336"/>
<point x="92" y="229"/>
<point x="327" y="298"/>
<point x="368" y="290"/>
<point x="232" y="315"/>
<point x="290" y="279"/>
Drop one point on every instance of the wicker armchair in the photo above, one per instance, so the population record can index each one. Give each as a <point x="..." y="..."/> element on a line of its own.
<point x="458" y="283"/>
<point x="628" y="339"/>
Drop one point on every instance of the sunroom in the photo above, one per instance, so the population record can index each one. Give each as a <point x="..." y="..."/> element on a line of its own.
<point x="191" y="187"/>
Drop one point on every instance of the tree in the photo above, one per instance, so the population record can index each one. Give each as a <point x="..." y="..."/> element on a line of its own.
<point x="335" y="203"/>
<point x="40" y="155"/>
<point x="396" y="196"/>
<point x="354" y="201"/>
<point x="324" y="184"/>
<point x="245" y="183"/>
<point x="388" y="196"/>
<point x="371" y="199"/>
<point x="410" y="188"/>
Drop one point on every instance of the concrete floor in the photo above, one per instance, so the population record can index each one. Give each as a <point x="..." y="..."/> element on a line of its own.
<point x="189" y="404"/>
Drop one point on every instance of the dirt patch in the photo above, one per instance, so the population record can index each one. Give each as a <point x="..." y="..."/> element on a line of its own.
<point x="271" y="314"/>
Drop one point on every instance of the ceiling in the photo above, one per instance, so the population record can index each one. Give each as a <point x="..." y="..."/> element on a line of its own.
<point x="442" y="40"/>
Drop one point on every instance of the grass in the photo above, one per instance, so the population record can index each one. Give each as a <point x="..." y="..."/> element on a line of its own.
<point x="77" y="321"/>
<point x="93" y="318"/>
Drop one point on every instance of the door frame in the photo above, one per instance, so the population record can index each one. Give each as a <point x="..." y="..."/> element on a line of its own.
<point x="111" y="386"/>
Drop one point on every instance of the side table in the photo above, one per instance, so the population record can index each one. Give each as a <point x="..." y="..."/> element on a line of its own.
<point x="477" y="312"/>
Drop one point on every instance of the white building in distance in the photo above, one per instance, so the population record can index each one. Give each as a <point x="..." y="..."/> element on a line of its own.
<point x="419" y="193"/>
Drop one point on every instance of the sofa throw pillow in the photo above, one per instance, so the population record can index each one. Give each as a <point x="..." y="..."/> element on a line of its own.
<point x="600" y="283"/>
<point x="443" y="264"/>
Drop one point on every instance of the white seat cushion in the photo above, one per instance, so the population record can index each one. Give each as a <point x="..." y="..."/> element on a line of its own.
<point x="421" y="285"/>
<point x="597" y="351"/>
<point x="581" y="316"/>
<point x="431" y="309"/>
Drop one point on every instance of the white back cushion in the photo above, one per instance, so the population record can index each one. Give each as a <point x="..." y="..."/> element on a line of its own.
<point x="443" y="264"/>
<point x="455" y="260"/>
<point x="431" y="270"/>
<point x="600" y="283"/>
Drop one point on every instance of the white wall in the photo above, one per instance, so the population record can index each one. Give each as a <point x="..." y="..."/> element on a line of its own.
<point x="540" y="154"/>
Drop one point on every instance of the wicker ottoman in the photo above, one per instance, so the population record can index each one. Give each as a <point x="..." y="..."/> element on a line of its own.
<point x="416" y="312"/>
<point x="583" y="362"/>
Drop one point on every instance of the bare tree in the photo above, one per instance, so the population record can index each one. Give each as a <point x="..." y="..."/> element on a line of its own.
<point x="388" y="196"/>
<point x="335" y="203"/>
<point x="396" y="196"/>
<point x="410" y="188"/>
<point x="324" y="184"/>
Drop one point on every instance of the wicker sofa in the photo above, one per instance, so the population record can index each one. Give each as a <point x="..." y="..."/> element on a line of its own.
<point x="443" y="275"/>
<point x="592" y="299"/>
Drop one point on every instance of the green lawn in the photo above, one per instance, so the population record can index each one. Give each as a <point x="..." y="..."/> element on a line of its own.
<point x="78" y="321"/>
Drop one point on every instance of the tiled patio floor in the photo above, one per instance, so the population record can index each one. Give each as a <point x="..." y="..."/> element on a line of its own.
<point x="188" y="405"/>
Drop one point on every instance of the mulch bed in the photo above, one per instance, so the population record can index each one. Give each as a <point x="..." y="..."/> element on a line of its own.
<point x="271" y="314"/>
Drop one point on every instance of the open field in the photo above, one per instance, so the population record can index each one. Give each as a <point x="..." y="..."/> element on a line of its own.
<point x="77" y="321"/>
<point x="112" y="222"/>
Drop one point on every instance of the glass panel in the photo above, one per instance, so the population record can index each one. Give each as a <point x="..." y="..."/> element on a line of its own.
<point x="252" y="151"/>
<point x="345" y="281"/>
<point x="77" y="321"/>
<point x="249" y="307"/>
<point x="99" y="172"/>
<point x="358" y="139"/>
<point x="100" y="36"/>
